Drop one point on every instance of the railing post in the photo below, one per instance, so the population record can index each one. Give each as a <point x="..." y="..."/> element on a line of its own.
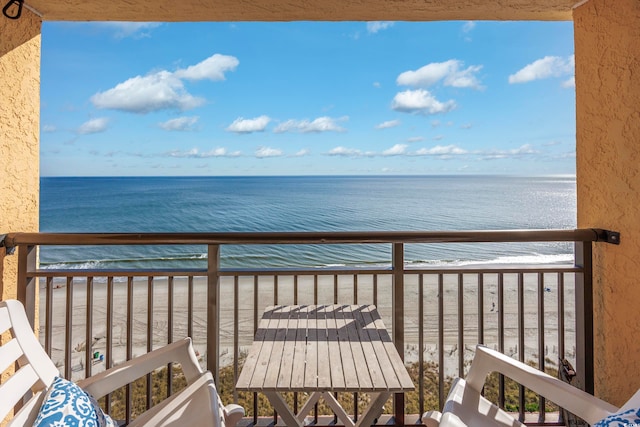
<point x="397" y="304"/>
<point x="213" y="310"/>
<point x="27" y="285"/>
<point x="584" y="316"/>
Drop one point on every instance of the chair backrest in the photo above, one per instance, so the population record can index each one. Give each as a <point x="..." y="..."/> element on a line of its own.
<point x="34" y="370"/>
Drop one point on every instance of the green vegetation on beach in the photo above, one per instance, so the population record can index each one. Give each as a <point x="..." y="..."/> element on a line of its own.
<point x="226" y="386"/>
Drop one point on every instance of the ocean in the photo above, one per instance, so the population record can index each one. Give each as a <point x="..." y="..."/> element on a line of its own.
<point x="318" y="203"/>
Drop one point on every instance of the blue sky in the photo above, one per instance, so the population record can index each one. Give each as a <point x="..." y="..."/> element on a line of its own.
<point x="307" y="98"/>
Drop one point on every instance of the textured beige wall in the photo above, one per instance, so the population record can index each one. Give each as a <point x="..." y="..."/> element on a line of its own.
<point x="302" y="10"/>
<point x="607" y="47"/>
<point x="19" y="135"/>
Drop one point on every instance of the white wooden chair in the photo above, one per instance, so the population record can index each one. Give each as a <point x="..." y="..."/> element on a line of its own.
<point x="197" y="405"/>
<point x="465" y="405"/>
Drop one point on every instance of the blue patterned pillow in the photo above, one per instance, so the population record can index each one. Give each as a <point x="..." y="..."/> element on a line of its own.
<point x="67" y="405"/>
<point x="621" y="419"/>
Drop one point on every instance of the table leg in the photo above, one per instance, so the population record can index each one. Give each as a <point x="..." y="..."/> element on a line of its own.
<point x="283" y="409"/>
<point x="374" y="409"/>
<point x="371" y="413"/>
<point x="308" y="405"/>
<point x="337" y="409"/>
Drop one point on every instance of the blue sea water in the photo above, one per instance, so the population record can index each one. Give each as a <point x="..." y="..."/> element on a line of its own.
<point x="319" y="203"/>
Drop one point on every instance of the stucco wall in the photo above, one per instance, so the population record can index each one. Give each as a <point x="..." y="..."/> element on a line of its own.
<point x="607" y="48"/>
<point x="19" y="134"/>
<point x="302" y="10"/>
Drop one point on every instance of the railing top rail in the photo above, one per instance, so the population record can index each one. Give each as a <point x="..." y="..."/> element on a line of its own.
<point x="328" y="271"/>
<point x="310" y="237"/>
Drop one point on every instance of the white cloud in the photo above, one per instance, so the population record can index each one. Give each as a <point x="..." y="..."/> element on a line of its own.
<point x="552" y="143"/>
<point x="427" y="75"/>
<point x="415" y="139"/>
<point x="570" y="82"/>
<point x="549" y="66"/>
<point x="567" y="155"/>
<point x="523" y="150"/>
<point x="212" y="68"/>
<point x="441" y="150"/>
<point x="163" y="90"/>
<point x="302" y="153"/>
<point x="464" y="78"/>
<point x="264" y="152"/>
<point x="377" y="84"/>
<point x="451" y="72"/>
<point x="420" y="101"/>
<point x="194" y="153"/>
<point x="466" y="126"/>
<point x="321" y="124"/>
<point x="154" y="92"/>
<point x="375" y="26"/>
<point x="179" y="124"/>
<point x="388" y="124"/>
<point x="93" y="126"/>
<point x="49" y="128"/>
<point x="233" y="153"/>
<point x="242" y="125"/>
<point x="468" y="26"/>
<point x="344" y="152"/>
<point x="396" y="150"/>
<point x="130" y="29"/>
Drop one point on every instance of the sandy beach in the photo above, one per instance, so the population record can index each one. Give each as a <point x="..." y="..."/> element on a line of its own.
<point x="283" y="293"/>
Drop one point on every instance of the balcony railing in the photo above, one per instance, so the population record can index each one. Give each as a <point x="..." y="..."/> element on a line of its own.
<point x="92" y="319"/>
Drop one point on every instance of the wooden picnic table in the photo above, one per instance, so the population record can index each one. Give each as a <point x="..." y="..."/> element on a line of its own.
<point x="322" y="349"/>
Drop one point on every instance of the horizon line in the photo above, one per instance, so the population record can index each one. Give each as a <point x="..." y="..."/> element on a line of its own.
<point x="512" y="175"/>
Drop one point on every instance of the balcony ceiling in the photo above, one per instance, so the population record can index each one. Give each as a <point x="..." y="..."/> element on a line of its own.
<point x="301" y="10"/>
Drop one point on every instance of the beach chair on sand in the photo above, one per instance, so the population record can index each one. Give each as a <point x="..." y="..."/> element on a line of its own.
<point x="36" y="381"/>
<point x="465" y="405"/>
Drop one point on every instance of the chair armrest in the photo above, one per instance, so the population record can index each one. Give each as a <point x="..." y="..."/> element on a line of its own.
<point x="431" y="418"/>
<point x="232" y="414"/>
<point x="576" y="401"/>
<point x="196" y="405"/>
<point x="178" y="352"/>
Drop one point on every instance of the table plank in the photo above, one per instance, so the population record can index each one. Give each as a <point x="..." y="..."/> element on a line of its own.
<point x="404" y="380"/>
<point x="385" y="365"/>
<point x="288" y="350"/>
<point x="362" y="373"/>
<point x="351" y="382"/>
<point x="250" y="363"/>
<point x="337" y="365"/>
<point x="300" y="349"/>
<point x="276" y="359"/>
<point x="311" y="355"/>
<point x="377" y="364"/>
<point x="260" y="371"/>
<point x="324" y="361"/>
